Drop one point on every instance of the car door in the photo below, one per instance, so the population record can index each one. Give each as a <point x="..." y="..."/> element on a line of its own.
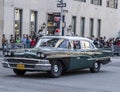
<point x="77" y="55"/>
<point x="89" y="52"/>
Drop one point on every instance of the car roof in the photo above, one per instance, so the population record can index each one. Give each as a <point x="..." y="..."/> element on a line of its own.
<point x="69" y="37"/>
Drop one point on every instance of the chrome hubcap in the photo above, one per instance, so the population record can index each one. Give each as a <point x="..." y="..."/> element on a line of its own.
<point x="55" y="68"/>
<point x="96" y="65"/>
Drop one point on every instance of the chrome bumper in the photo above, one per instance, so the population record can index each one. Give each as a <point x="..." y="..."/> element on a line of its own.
<point x="42" y="65"/>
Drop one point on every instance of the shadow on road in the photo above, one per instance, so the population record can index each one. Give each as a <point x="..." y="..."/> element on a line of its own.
<point x="44" y="75"/>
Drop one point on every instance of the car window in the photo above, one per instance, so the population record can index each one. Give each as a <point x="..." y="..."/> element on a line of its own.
<point x="47" y="42"/>
<point x="92" y="46"/>
<point x="85" y="44"/>
<point x="76" y="44"/>
<point x="64" y="44"/>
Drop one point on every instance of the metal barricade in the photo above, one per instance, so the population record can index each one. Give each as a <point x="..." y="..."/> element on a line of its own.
<point x="116" y="50"/>
<point x="9" y="46"/>
<point x="17" y="45"/>
<point x="6" y="47"/>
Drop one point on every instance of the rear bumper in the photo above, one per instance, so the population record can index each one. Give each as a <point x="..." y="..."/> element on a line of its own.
<point x="43" y="65"/>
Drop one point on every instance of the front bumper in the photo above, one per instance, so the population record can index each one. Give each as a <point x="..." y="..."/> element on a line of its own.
<point x="29" y="64"/>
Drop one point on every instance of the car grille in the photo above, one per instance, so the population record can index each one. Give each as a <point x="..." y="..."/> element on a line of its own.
<point x="26" y="66"/>
<point x="29" y="64"/>
<point x="22" y="61"/>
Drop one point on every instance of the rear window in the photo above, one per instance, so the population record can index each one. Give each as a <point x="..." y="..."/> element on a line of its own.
<point x="85" y="44"/>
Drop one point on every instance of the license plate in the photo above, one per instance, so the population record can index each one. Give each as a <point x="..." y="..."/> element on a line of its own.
<point x="20" y="66"/>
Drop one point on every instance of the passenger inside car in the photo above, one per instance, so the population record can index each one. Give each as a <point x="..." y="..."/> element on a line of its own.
<point x="65" y="44"/>
<point x="76" y="45"/>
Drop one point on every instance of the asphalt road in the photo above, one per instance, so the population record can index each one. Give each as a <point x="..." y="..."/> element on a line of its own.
<point x="107" y="80"/>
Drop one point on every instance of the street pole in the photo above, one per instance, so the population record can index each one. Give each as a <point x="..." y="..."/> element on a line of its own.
<point x="61" y="4"/>
<point x="61" y="20"/>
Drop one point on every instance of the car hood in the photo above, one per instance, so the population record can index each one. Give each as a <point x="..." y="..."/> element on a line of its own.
<point x="34" y="51"/>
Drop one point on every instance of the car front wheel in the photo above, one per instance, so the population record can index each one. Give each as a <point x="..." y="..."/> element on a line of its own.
<point x="19" y="72"/>
<point x="56" y="69"/>
<point x="95" y="68"/>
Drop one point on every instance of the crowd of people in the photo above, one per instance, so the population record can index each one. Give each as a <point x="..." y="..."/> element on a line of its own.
<point x="103" y="43"/>
<point x="29" y="42"/>
<point x="25" y="41"/>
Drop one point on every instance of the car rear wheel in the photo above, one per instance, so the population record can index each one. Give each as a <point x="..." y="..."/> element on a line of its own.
<point x="19" y="72"/>
<point x="56" y="69"/>
<point x="95" y="68"/>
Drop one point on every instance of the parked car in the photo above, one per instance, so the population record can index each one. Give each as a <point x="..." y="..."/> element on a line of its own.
<point x="55" y="54"/>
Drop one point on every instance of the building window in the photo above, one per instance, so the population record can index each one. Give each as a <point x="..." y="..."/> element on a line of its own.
<point x="80" y="0"/>
<point x="33" y="23"/>
<point x="99" y="27"/>
<point x="74" y="24"/>
<point x="53" y="23"/>
<point x="112" y="3"/>
<point x="50" y="24"/>
<point x="96" y="2"/>
<point x="82" y="27"/>
<point x="91" y="27"/>
<point x="18" y="22"/>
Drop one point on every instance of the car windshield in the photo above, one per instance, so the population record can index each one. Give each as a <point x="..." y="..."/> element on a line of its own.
<point x="53" y="42"/>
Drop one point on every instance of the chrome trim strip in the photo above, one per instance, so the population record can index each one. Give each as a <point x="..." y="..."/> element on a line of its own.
<point x="39" y="67"/>
<point x="101" y="58"/>
<point x="20" y="58"/>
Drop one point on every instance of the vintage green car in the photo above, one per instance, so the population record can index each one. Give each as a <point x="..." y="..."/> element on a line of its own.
<point x="55" y="54"/>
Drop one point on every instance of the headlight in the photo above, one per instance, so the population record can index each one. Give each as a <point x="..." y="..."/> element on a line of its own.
<point x="9" y="53"/>
<point x="41" y="55"/>
<point x="38" y="54"/>
<point x="5" y="53"/>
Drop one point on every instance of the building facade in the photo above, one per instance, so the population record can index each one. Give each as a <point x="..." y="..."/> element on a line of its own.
<point x="1" y="18"/>
<point x="81" y="17"/>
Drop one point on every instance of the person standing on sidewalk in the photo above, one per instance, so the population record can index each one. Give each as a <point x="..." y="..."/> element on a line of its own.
<point x="4" y="43"/>
<point x="28" y="40"/>
<point x="23" y="40"/>
<point x="12" y="41"/>
<point x="33" y="43"/>
<point x="17" y="40"/>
